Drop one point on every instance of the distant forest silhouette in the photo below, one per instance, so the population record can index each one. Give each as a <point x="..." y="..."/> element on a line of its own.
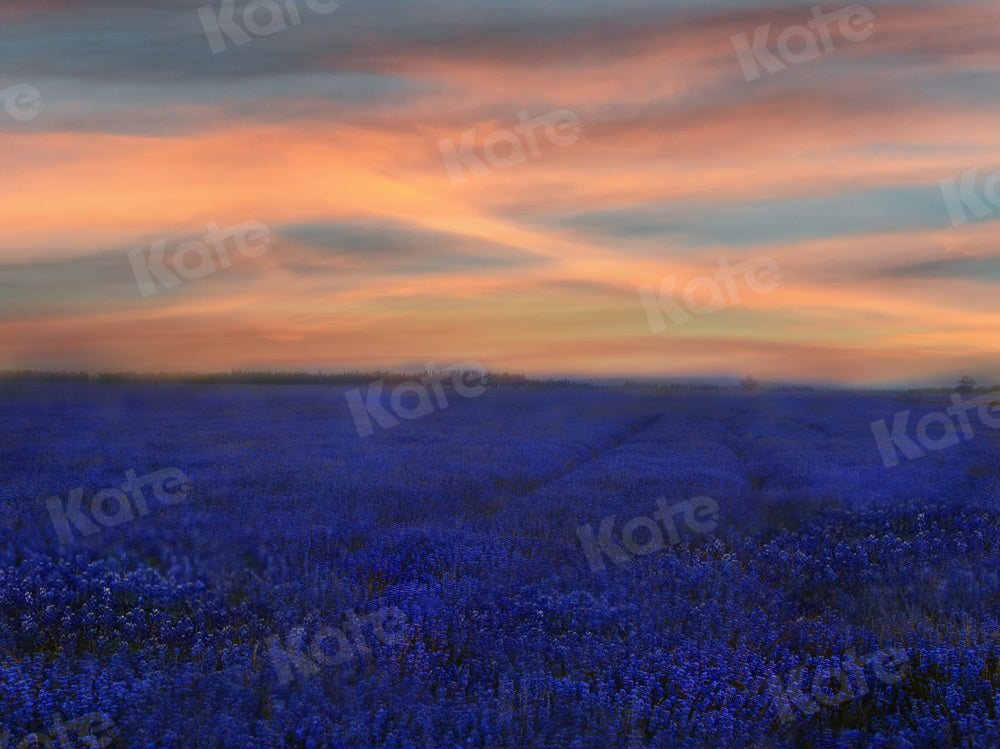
<point x="965" y="386"/>
<point x="264" y="377"/>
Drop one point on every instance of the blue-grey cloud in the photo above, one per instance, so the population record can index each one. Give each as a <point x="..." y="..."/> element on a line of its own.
<point x="767" y="222"/>
<point x="392" y="248"/>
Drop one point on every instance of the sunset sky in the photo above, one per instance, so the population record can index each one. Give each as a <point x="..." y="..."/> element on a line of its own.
<point x="331" y="133"/>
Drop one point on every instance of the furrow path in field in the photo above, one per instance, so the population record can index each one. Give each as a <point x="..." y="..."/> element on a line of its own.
<point x="529" y="487"/>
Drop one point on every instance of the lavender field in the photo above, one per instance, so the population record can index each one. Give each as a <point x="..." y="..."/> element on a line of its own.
<point x="455" y="581"/>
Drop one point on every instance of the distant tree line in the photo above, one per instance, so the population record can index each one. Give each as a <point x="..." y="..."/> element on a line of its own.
<point x="268" y="377"/>
<point x="965" y="385"/>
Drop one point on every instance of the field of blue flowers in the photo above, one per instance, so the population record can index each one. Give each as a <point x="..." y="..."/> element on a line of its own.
<point x="294" y="585"/>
